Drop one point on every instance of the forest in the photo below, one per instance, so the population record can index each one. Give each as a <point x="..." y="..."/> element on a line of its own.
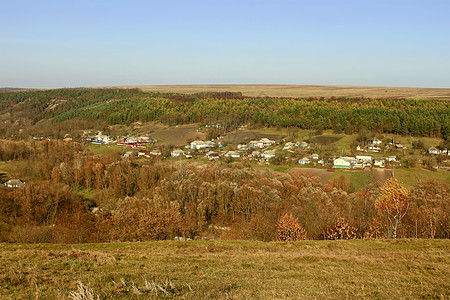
<point x="74" y="109"/>
<point x="74" y="196"/>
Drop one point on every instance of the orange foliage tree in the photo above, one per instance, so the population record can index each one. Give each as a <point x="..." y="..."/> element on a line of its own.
<point x="341" y="231"/>
<point x="393" y="201"/>
<point x="289" y="229"/>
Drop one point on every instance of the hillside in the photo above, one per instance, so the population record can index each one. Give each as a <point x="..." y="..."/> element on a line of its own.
<point x="362" y="269"/>
<point x="232" y="109"/>
<point x="303" y="91"/>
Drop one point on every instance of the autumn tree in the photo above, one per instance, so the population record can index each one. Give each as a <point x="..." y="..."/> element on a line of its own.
<point x="289" y="229"/>
<point x="393" y="202"/>
<point x="341" y="231"/>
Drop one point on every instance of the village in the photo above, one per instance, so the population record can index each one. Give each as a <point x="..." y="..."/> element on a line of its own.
<point x="375" y="153"/>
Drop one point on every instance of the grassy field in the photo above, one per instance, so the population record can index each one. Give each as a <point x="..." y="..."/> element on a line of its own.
<point x="357" y="269"/>
<point x="358" y="179"/>
<point x="262" y="90"/>
<point x="413" y="175"/>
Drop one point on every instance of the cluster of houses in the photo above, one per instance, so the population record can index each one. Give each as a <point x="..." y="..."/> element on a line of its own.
<point x="14" y="183"/>
<point x="129" y="141"/>
<point x="362" y="161"/>
<point x="436" y="151"/>
<point x="376" y="146"/>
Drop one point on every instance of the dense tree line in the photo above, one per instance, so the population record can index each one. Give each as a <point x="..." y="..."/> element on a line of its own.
<point x="73" y="196"/>
<point x="399" y="116"/>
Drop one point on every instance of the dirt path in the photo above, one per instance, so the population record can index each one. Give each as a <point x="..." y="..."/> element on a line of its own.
<point x="380" y="175"/>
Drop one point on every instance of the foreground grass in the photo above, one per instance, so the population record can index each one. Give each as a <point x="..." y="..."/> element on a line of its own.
<point x="370" y="269"/>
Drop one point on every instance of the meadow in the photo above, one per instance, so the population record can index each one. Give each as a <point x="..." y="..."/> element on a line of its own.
<point x="350" y="269"/>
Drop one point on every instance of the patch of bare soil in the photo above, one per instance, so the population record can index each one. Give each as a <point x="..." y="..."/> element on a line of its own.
<point x="380" y="175"/>
<point x="177" y="136"/>
<point x="324" y="140"/>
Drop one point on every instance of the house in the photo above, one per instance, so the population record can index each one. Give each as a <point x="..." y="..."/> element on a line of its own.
<point x="434" y="150"/>
<point x="343" y="162"/>
<point x="242" y="147"/>
<point x="233" y="154"/>
<point x="177" y="153"/>
<point x="315" y="156"/>
<point x="14" y="183"/>
<point x="373" y="148"/>
<point x="304" y="161"/>
<point x="391" y="158"/>
<point x="288" y="146"/>
<point x="379" y="162"/>
<point x="340" y="163"/>
<point x="359" y="148"/>
<point x="143" y="153"/>
<point x="375" y="141"/>
<point x="196" y="145"/>
<point x="155" y="152"/>
<point x="364" y="159"/>
<point x="266" y="142"/>
<point x="301" y="144"/>
<point x="268" y="154"/>
<point x="210" y="144"/>
<point x="102" y="138"/>
<point x="212" y="155"/>
<point x="253" y="144"/>
<point x="262" y="143"/>
<point x="256" y="153"/>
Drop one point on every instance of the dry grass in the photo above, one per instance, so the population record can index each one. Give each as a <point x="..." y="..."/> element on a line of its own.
<point x="262" y="90"/>
<point x="357" y="269"/>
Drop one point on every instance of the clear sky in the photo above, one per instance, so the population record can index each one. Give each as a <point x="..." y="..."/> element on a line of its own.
<point x="48" y="44"/>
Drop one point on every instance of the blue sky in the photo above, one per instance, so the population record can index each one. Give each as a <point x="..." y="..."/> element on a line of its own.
<point x="48" y="44"/>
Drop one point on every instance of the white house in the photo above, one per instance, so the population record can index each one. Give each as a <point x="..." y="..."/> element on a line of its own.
<point x="233" y="154"/>
<point x="266" y="142"/>
<point x="391" y="158"/>
<point x="364" y="159"/>
<point x="343" y="162"/>
<point x="315" y="156"/>
<point x="304" y="161"/>
<point x="375" y="141"/>
<point x="177" y="153"/>
<point x="268" y="154"/>
<point x="212" y="155"/>
<point x="155" y="152"/>
<point x="434" y="150"/>
<point x="374" y="148"/>
<point x="14" y="183"/>
<point x="196" y="145"/>
<point x="242" y="147"/>
<point x="301" y="144"/>
<point x="288" y="146"/>
<point x="379" y="162"/>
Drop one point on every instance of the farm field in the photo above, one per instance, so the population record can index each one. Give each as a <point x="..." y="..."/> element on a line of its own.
<point x="262" y="90"/>
<point x="369" y="269"/>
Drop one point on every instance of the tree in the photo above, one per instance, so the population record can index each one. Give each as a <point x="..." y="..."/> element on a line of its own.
<point x="341" y="231"/>
<point x="289" y="229"/>
<point x="393" y="201"/>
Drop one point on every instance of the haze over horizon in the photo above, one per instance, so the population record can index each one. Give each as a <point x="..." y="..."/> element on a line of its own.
<point x="51" y="44"/>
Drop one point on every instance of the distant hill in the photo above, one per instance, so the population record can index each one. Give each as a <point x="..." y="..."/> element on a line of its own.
<point x="11" y="89"/>
<point x="272" y="90"/>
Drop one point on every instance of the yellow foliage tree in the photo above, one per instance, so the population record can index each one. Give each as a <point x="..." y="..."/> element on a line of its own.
<point x="393" y="201"/>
